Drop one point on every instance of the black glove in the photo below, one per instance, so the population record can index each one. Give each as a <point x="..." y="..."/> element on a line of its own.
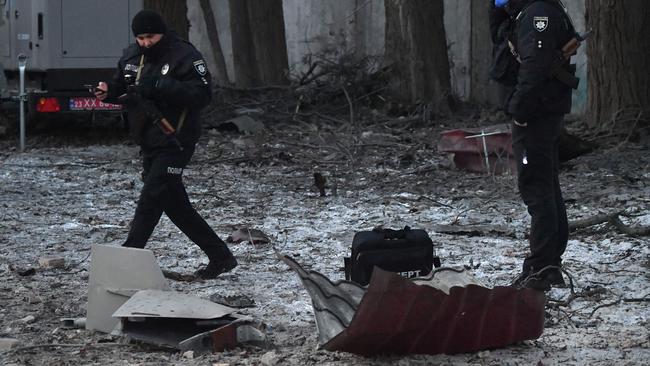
<point x="150" y="110"/>
<point x="147" y="86"/>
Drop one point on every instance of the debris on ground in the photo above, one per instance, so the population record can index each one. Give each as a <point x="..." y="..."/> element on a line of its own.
<point x="77" y="185"/>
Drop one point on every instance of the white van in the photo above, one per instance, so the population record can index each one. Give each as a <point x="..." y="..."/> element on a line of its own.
<point x="69" y="44"/>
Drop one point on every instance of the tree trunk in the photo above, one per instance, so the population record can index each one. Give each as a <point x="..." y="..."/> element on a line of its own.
<point x="267" y="18"/>
<point x="174" y="12"/>
<point x="416" y="50"/>
<point x="619" y="81"/>
<point x="483" y="89"/>
<point x="243" y="49"/>
<point x="221" y="73"/>
<point x="258" y="42"/>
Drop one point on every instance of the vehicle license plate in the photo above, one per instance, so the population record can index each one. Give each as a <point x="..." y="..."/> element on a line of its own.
<point x="91" y="103"/>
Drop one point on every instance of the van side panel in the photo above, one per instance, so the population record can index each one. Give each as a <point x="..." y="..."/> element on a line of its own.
<point x="71" y="34"/>
<point x="95" y="29"/>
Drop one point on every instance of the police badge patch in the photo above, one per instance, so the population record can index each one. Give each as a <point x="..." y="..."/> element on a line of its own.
<point x="200" y="67"/>
<point x="540" y="23"/>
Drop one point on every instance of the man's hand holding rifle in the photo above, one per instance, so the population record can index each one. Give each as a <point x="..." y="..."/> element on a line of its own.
<point x="138" y="94"/>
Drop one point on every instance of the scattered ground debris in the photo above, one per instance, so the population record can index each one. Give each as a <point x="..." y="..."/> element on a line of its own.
<point x="244" y="234"/>
<point x="482" y="150"/>
<point x="77" y="185"/>
<point x="73" y="323"/>
<point x="234" y="301"/>
<point x="475" y="230"/>
<point x="613" y="219"/>
<point x="51" y="262"/>
<point x="243" y="124"/>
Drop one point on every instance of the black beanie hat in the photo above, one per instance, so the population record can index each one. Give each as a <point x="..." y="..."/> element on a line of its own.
<point x="148" y="21"/>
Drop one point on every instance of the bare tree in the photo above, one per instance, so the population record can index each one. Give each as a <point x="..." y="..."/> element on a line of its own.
<point x="619" y="81"/>
<point x="174" y="12"/>
<point x="221" y="73"/>
<point x="416" y="50"/>
<point x="483" y="89"/>
<point x="258" y="41"/>
<point x="243" y="49"/>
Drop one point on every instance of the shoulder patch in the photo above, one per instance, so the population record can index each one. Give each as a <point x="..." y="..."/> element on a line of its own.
<point x="540" y="23"/>
<point x="200" y="67"/>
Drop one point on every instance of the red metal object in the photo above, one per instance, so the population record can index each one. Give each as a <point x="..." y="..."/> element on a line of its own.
<point x="397" y="316"/>
<point x="469" y="153"/>
<point x="48" y="105"/>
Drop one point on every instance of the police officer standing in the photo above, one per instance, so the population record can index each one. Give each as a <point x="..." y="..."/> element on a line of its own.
<point x="164" y="83"/>
<point x="541" y="98"/>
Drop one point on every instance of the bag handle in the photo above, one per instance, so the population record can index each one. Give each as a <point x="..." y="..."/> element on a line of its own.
<point x="392" y="234"/>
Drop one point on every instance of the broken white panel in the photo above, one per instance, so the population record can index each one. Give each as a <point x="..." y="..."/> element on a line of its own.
<point x="168" y="318"/>
<point x="170" y="304"/>
<point x="115" y="274"/>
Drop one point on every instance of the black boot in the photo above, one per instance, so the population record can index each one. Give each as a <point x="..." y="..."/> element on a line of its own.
<point x="215" y="268"/>
<point x="530" y="279"/>
<point x="555" y="278"/>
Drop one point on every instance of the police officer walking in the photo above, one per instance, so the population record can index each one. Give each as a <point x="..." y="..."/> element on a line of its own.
<point x="164" y="83"/>
<point x="541" y="98"/>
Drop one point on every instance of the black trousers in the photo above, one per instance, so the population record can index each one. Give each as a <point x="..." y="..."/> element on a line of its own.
<point x="536" y="152"/>
<point x="163" y="191"/>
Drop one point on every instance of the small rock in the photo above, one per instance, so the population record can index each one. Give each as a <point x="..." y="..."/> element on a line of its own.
<point x="8" y="343"/>
<point x="484" y="354"/>
<point x="28" y="319"/>
<point x="269" y="358"/>
<point x="244" y="124"/>
<point x="51" y="262"/>
<point x="188" y="354"/>
<point x="24" y="272"/>
<point x="70" y="323"/>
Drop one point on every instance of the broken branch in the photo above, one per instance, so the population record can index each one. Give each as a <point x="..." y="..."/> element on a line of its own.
<point x="613" y="219"/>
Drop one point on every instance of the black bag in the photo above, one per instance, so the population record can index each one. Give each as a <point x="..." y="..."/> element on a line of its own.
<point x="408" y="252"/>
<point x="504" y="66"/>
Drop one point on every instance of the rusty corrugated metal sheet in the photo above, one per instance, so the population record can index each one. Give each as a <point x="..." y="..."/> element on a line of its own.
<point x="400" y="316"/>
<point x="421" y="319"/>
<point x="334" y="303"/>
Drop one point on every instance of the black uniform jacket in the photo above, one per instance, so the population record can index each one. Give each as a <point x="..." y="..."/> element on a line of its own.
<point x="182" y="83"/>
<point x="541" y="30"/>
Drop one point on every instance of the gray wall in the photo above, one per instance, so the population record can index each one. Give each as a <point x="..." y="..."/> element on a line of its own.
<point x="334" y="27"/>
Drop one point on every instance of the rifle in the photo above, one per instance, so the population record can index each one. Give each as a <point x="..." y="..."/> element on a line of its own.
<point x="143" y="110"/>
<point x="571" y="47"/>
<point x="568" y="50"/>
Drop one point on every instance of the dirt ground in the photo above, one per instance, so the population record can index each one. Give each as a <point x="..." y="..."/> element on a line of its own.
<point x="77" y="183"/>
